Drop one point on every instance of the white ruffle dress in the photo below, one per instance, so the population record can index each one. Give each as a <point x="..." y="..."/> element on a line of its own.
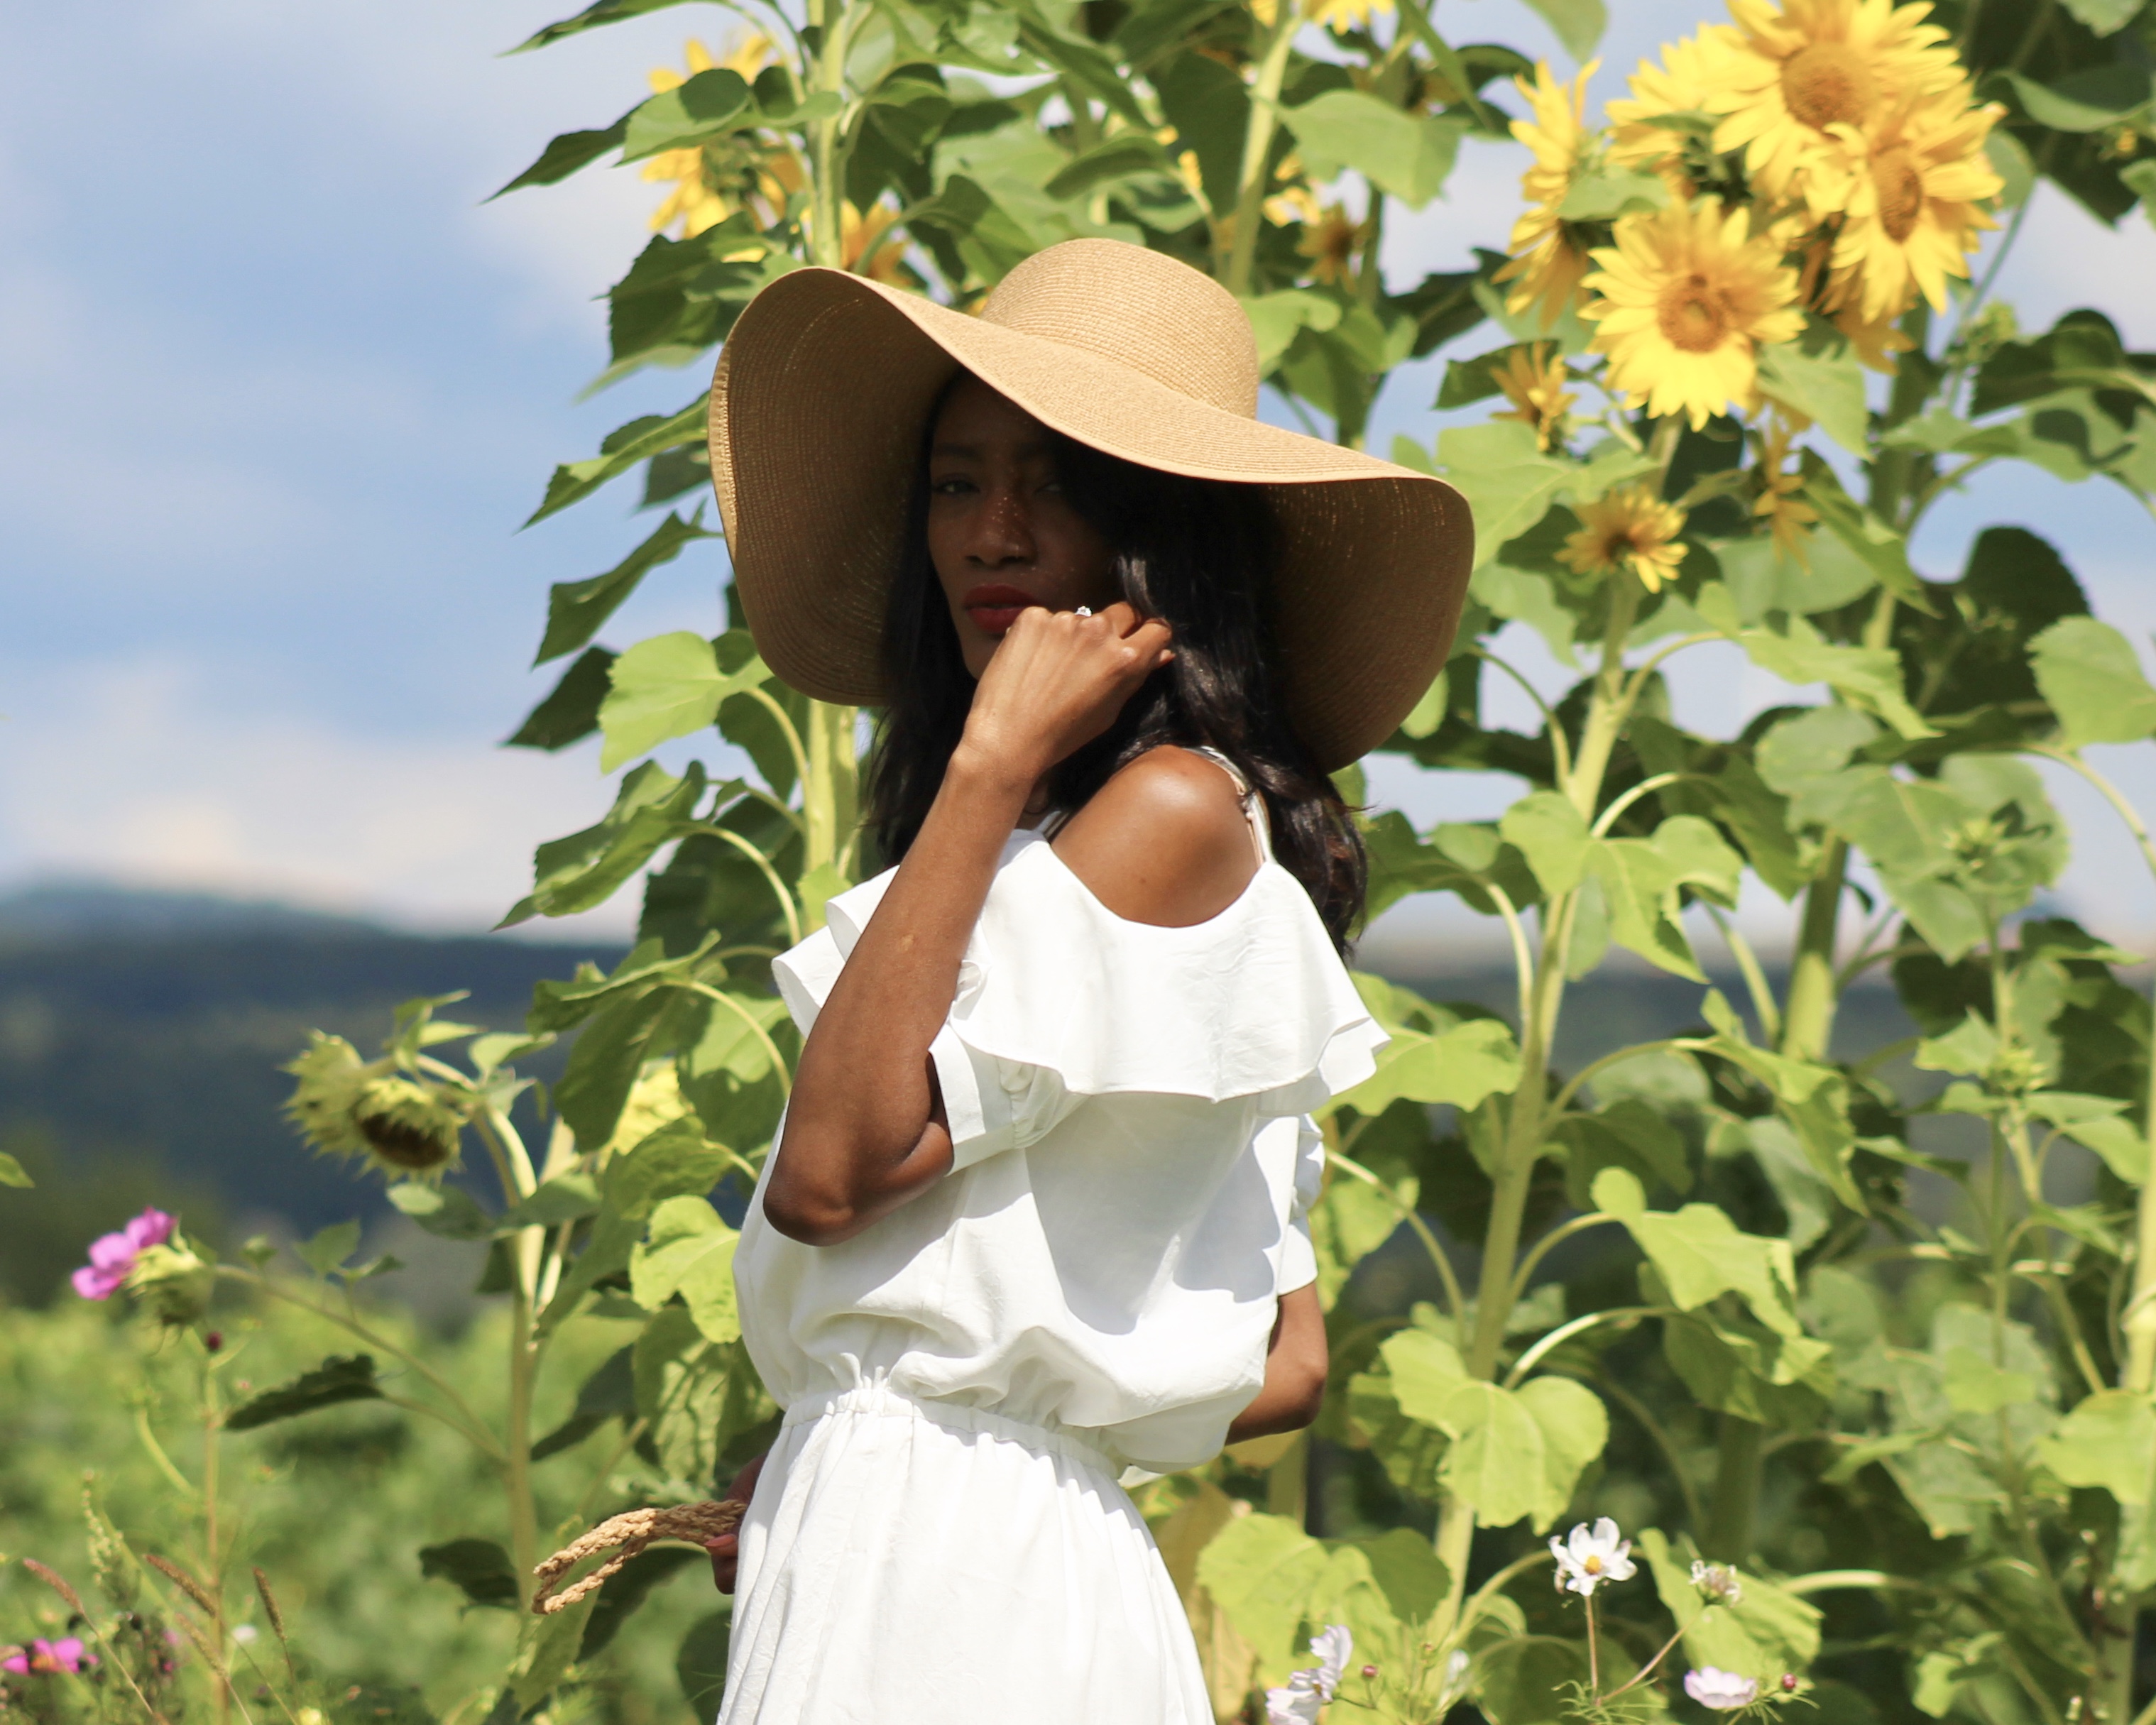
<point x="939" y="1536"/>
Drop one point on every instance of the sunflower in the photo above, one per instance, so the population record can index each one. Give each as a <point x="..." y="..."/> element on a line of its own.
<point x="347" y="1106"/>
<point x="1914" y="218"/>
<point x="696" y="201"/>
<point x="1341" y="16"/>
<point x="1547" y="263"/>
<point x="1631" y="529"/>
<point x="1789" y="517"/>
<point x="1876" y="343"/>
<point x="1794" y="75"/>
<point x="1685" y="301"/>
<point x="1679" y="86"/>
<point x="1330" y="235"/>
<point x="1533" y="381"/>
<point x="862" y="247"/>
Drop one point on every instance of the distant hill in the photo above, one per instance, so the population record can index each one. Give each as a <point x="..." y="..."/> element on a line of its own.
<point x="60" y="910"/>
<point x="140" y="1035"/>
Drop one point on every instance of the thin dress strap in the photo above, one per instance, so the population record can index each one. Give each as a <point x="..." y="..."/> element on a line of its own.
<point x="1254" y="805"/>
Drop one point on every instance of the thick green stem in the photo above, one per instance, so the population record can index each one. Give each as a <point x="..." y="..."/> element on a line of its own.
<point x="1728" y="1535"/>
<point x="1527" y="1124"/>
<point x="1257" y="152"/>
<point x="829" y="806"/>
<point x="2110" y="1685"/>
<point x="1607" y="713"/>
<point x="826" y="226"/>
<point x="517" y="1473"/>
<point x="1808" y="1020"/>
<point x="2138" y="1320"/>
<point x="1455" y="1546"/>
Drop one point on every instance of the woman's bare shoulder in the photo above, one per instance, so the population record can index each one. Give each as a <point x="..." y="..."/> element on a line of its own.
<point x="1165" y="841"/>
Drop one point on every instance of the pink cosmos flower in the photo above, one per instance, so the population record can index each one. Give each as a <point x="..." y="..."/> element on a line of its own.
<point x="48" y="1658"/>
<point x="112" y="1255"/>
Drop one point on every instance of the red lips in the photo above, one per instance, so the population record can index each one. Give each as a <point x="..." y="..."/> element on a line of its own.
<point x="994" y="606"/>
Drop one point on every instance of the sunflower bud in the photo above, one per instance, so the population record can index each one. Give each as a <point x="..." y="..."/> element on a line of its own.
<point x="176" y="1283"/>
<point x="347" y="1106"/>
<point x="408" y="1125"/>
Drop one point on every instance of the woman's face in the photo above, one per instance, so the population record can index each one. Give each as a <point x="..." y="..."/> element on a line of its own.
<point x="1001" y="533"/>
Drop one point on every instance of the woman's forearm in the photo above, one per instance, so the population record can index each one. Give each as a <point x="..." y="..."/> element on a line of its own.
<point x="862" y="1131"/>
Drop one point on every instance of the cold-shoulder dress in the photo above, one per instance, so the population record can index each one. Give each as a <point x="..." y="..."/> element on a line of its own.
<point x="940" y="1536"/>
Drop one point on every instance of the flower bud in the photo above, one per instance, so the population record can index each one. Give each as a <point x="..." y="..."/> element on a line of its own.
<point x="1369" y="1671"/>
<point x="176" y="1282"/>
<point x="1789" y="1682"/>
<point x="1717" y="1582"/>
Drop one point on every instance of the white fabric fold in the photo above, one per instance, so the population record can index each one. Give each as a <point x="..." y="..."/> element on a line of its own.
<point x="1059" y="999"/>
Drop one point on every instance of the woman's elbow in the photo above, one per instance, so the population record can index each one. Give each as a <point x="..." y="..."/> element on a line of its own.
<point x="812" y="1224"/>
<point x="1303" y="1396"/>
<point x="800" y="1210"/>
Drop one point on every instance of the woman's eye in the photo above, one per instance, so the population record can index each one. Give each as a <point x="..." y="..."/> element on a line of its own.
<point x="954" y="487"/>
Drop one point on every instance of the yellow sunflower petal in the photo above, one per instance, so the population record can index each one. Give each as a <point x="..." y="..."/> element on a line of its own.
<point x="1628" y="531"/>
<point x="1684" y="301"/>
<point x="1795" y="74"/>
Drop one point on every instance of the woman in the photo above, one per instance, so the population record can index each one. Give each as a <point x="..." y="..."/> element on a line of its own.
<point x="1035" y="1218"/>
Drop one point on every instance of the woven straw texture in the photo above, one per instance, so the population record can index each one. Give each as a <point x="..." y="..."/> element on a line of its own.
<point x="816" y="426"/>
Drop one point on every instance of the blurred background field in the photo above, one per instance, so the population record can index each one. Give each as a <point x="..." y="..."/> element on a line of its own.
<point x="141" y="1034"/>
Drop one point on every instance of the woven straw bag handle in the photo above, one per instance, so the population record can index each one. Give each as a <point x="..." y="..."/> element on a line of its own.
<point x="696" y="1523"/>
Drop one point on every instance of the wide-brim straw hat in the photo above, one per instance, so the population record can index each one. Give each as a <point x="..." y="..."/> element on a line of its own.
<point x="817" y="419"/>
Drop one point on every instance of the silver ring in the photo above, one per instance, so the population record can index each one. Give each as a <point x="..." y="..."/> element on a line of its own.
<point x="1085" y="610"/>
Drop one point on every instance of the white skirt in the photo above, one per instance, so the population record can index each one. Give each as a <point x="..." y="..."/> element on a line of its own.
<point x="909" y="1563"/>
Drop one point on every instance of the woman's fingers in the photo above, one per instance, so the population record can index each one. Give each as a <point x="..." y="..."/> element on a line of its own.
<point x="726" y="1549"/>
<point x="725" y="1559"/>
<point x="1059" y="679"/>
<point x="1150" y="639"/>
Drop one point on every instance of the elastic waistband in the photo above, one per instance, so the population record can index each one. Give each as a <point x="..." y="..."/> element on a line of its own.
<point x="880" y="1400"/>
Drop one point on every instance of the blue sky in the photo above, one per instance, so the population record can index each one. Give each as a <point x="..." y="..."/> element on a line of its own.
<point x="276" y="387"/>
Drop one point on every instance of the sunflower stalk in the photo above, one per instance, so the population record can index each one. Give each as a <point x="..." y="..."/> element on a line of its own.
<point x="1242" y="235"/>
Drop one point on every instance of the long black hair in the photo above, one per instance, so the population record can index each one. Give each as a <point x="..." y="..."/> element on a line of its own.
<point x="1197" y="554"/>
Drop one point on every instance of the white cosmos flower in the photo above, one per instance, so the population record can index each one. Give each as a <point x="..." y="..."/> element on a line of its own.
<point x="1295" y="1705"/>
<point x="1592" y="1558"/>
<point x="1334" y="1648"/>
<point x="1724" y="1692"/>
<point x="1297" y="1702"/>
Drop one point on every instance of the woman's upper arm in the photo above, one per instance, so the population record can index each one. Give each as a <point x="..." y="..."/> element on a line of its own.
<point x="1165" y="841"/>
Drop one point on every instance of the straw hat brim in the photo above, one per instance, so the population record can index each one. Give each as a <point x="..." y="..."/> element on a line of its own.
<point x="816" y="419"/>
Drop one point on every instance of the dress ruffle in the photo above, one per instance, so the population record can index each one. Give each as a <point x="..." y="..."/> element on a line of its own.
<point x="1252" y="1005"/>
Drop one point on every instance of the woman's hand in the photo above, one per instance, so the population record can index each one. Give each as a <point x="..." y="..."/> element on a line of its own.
<point x="1057" y="681"/>
<point x="726" y="1549"/>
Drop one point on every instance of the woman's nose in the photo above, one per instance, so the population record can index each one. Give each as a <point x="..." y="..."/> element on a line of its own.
<point x="1002" y="530"/>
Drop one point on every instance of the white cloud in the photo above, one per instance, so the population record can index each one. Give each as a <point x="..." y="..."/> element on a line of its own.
<point x="136" y="771"/>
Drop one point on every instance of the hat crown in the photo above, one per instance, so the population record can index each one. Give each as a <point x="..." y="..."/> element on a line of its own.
<point x="1141" y="310"/>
